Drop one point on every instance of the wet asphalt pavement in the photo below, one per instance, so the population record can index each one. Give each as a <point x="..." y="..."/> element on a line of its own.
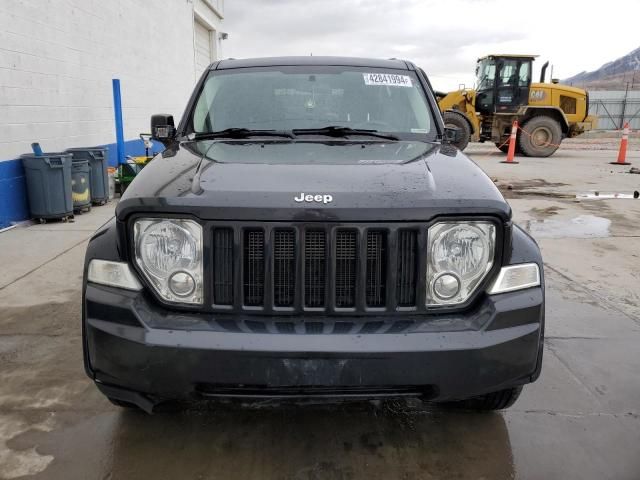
<point x="580" y="420"/>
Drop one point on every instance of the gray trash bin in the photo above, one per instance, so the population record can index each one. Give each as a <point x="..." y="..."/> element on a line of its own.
<point x="81" y="185"/>
<point x="48" y="180"/>
<point x="99" y="179"/>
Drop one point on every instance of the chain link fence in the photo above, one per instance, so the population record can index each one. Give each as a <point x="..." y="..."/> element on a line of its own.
<point x="614" y="108"/>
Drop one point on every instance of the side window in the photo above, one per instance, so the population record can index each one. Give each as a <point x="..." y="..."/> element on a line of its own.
<point x="525" y="74"/>
<point x="486" y="75"/>
<point x="508" y="74"/>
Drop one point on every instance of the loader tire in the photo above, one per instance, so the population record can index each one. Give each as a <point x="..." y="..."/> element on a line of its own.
<point x="458" y="120"/>
<point x="541" y="137"/>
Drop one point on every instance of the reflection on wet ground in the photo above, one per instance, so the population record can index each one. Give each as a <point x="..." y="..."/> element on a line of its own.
<point x="583" y="226"/>
<point x="389" y="440"/>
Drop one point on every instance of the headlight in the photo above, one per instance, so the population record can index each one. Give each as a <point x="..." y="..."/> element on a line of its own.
<point x="460" y="255"/>
<point x="169" y="253"/>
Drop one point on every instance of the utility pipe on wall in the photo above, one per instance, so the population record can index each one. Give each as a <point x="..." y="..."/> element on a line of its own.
<point x="117" y="109"/>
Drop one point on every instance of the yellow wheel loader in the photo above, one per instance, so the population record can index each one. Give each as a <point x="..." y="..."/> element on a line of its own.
<point x="546" y="112"/>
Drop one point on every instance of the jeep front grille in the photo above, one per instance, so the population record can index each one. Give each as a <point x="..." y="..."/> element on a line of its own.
<point x="271" y="268"/>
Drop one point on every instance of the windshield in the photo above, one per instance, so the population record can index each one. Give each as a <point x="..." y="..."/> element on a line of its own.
<point x="312" y="97"/>
<point x="485" y="74"/>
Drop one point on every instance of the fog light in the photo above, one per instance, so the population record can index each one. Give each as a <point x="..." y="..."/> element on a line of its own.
<point x="182" y="284"/>
<point x="446" y="286"/>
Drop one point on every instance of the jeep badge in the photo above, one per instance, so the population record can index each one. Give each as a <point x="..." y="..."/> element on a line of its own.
<point x="313" y="198"/>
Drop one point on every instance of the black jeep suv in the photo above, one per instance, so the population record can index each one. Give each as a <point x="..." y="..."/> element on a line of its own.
<point x="309" y="232"/>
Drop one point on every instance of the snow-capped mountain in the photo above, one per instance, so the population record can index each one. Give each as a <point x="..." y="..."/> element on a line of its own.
<point x="611" y="75"/>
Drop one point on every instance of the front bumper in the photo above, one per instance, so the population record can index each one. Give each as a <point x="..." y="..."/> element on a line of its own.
<point x="137" y="351"/>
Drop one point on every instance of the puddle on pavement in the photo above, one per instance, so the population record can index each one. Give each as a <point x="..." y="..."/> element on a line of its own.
<point x="583" y="226"/>
<point x="339" y="442"/>
<point x="606" y="195"/>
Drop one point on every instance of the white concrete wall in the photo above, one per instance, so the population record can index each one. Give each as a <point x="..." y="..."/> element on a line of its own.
<point x="57" y="59"/>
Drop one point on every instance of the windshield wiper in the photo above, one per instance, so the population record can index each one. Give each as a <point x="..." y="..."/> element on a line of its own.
<point x="339" y="131"/>
<point x="238" y="132"/>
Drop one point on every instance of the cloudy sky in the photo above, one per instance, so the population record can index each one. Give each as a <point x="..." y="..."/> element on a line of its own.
<point x="443" y="37"/>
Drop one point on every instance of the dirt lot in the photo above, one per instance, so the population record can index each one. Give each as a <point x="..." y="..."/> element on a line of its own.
<point x="580" y="420"/>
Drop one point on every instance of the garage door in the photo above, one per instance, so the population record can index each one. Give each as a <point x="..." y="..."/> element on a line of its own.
<point x="203" y="55"/>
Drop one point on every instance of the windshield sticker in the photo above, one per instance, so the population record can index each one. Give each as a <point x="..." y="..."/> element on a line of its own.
<point x="387" y="79"/>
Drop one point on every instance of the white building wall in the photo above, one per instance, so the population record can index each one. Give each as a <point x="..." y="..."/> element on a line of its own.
<point x="58" y="57"/>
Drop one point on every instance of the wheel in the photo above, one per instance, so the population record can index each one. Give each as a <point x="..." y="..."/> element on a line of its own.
<point x="491" y="401"/>
<point x="458" y="120"/>
<point x="541" y="137"/>
<point x="123" y="404"/>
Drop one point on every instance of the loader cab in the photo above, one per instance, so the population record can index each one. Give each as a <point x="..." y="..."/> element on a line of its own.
<point x="502" y="83"/>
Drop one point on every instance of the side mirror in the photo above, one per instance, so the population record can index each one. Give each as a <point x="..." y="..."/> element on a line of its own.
<point x="163" y="128"/>
<point x="452" y="135"/>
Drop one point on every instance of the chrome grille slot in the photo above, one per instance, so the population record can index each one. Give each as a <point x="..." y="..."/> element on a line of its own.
<point x="223" y="266"/>
<point x="284" y="267"/>
<point x="407" y="267"/>
<point x="315" y="268"/>
<point x="376" y="268"/>
<point x="254" y="258"/>
<point x="346" y="265"/>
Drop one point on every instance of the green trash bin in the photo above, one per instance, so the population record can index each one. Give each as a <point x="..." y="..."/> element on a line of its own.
<point x="48" y="179"/>
<point x="81" y="185"/>
<point x="98" y="176"/>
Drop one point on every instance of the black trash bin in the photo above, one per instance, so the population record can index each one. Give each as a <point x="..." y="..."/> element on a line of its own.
<point x="98" y="176"/>
<point x="48" y="180"/>
<point x="81" y="185"/>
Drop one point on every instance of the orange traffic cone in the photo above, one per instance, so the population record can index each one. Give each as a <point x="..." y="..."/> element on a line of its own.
<point x="622" y="153"/>
<point x="512" y="144"/>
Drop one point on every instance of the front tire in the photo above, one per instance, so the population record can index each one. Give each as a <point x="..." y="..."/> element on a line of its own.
<point x="458" y="120"/>
<point x="541" y="137"/>
<point x="491" y="401"/>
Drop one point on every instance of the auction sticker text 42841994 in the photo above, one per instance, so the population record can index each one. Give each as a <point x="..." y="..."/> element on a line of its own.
<point x="386" y="79"/>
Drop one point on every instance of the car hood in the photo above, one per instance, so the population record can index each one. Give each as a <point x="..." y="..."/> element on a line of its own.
<point x="371" y="181"/>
